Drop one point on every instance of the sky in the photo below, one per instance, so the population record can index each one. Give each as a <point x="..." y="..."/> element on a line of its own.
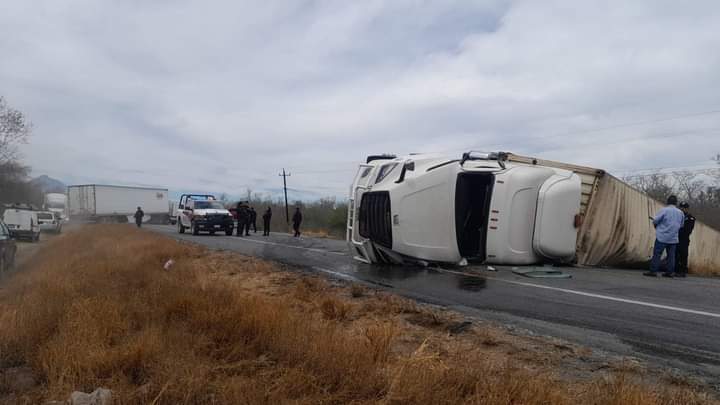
<point x="220" y="96"/>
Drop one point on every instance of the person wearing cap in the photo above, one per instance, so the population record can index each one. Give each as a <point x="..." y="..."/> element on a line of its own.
<point x="667" y="222"/>
<point x="681" y="256"/>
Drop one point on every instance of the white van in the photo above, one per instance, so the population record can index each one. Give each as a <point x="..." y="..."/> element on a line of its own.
<point x="22" y="223"/>
<point x="49" y="221"/>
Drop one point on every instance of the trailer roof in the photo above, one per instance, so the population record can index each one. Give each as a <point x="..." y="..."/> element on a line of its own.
<point x="109" y="185"/>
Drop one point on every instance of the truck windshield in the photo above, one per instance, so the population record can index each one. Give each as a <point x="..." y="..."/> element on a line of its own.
<point x="203" y="205"/>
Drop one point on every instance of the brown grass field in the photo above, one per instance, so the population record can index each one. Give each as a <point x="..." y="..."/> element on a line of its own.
<point x="95" y="308"/>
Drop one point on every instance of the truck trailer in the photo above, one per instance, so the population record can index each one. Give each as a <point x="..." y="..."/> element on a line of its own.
<point x="505" y="209"/>
<point x="106" y="203"/>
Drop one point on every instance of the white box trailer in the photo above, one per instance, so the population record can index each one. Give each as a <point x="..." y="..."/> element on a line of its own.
<point x="502" y="208"/>
<point x="106" y="202"/>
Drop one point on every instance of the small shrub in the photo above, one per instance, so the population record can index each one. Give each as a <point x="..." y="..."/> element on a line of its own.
<point x="334" y="309"/>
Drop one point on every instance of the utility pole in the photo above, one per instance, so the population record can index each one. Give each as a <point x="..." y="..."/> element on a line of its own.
<point x="287" y="210"/>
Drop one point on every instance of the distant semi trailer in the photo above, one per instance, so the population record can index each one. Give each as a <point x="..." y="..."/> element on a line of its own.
<point x="106" y="203"/>
<point x="502" y="208"/>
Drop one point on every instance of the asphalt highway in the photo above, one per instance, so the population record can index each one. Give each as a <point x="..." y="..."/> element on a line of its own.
<point x="671" y="322"/>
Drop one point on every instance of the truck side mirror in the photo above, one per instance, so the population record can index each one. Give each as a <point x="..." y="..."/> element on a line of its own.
<point x="407" y="166"/>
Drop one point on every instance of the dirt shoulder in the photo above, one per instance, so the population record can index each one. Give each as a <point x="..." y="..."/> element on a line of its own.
<point x="105" y="307"/>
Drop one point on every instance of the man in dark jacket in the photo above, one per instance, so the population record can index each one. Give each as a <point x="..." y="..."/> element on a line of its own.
<point x="139" y="214"/>
<point x="243" y="218"/>
<point x="297" y="220"/>
<point x="267" y="216"/>
<point x="681" y="258"/>
<point x="253" y="219"/>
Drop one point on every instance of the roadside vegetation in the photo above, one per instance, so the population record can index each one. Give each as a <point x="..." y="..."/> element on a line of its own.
<point x="96" y="308"/>
<point x="700" y="188"/>
<point x="325" y="217"/>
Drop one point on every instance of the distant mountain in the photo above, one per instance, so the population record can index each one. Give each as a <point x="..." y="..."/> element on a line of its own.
<point x="48" y="185"/>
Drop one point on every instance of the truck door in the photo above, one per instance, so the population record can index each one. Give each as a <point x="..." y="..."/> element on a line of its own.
<point x="555" y="235"/>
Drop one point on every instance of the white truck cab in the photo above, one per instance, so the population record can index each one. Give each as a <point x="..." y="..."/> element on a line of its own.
<point x="22" y="222"/>
<point x="478" y="208"/>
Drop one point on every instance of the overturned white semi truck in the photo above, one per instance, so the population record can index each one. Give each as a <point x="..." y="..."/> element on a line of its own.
<point x="501" y="208"/>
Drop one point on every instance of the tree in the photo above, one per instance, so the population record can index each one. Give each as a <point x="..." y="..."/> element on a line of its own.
<point x="688" y="185"/>
<point x="655" y="185"/>
<point x="14" y="131"/>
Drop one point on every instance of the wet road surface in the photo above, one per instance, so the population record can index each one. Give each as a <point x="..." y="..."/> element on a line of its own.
<point x="673" y="322"/>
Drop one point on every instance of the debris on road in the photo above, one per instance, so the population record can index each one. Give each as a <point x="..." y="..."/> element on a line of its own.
<point x="535" y="272"/>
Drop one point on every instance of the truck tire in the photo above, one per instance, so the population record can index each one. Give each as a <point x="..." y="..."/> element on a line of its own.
<point x="181" y="228"/>
<point x="228" y="231"/>
<point x="212" y="233"/>
<point x="195" y="229"/>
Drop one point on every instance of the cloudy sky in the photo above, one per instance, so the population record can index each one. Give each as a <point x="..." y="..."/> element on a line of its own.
<point x="221" y="95"/>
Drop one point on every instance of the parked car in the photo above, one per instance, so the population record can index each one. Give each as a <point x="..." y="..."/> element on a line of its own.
<point x="203" y="213"/>
<point x="50" y="221"/>
<point x="22" y="222"/>
<point x="7" y="248"/>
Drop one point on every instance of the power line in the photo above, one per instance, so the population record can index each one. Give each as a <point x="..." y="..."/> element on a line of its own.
<point x="705" y="162"/>
<point x="623" y="125"/>
<point x="709" y="172"/>
<point x="639" y="138"/>
<point x="637" y="123"/>
<point x="326" y="171"/>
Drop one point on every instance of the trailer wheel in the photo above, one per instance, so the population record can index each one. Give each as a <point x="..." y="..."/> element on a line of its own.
<point x="195" y="229"/>
<point x="181" y="228"/>
<point x="228" y="231"/>
<point x="212" y="233"/>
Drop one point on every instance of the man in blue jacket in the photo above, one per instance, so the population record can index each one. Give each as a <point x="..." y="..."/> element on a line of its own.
<point x="667" y="222"/>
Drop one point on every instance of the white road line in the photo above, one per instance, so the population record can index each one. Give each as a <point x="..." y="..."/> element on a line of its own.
<point x="289" y="246"/>
<point x="592" y="295"/>
<point x="335" y="273"/>
<point x="520" y="283"/>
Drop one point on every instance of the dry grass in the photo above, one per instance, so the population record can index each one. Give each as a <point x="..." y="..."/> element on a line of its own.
<point x="95" y="308"/>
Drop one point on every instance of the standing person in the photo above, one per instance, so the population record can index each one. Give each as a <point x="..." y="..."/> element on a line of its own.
<point x="267" y="216"/>
<point x="681" y="256"/>
<point x="667" y="222"/>
<point x="297" y="220"/>
<point x="139" y="214"/>
<point x="242" y="218"/>
<point x="253" y="219"/>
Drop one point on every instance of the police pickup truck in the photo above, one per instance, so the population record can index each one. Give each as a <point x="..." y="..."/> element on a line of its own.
<point x="203" y="213"/>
